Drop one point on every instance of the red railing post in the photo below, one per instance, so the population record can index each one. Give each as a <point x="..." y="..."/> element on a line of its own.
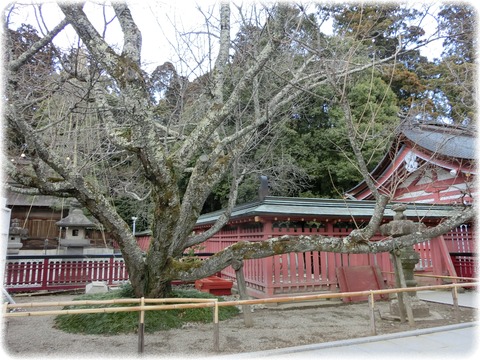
<point x="111" y="264"/>
<point x="267" y="264"/>
<point x="45" y="274"/>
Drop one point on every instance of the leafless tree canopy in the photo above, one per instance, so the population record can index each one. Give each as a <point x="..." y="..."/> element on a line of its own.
<point x="95" y="125"/>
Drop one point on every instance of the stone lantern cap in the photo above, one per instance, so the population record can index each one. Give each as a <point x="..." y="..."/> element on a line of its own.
<point x="75" y="218"/>
<point x="400" y="225"/>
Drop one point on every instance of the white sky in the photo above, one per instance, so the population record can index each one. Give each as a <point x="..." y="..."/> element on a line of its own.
<point x="156" y="20"/>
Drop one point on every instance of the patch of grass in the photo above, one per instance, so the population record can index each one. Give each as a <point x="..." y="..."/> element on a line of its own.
<point x="127" y="322"/>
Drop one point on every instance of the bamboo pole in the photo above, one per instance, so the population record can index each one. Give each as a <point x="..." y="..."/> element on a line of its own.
<point x="210" y="303"/>
<point x="111" y="309"/>
<point x="438" y="276"/>
<point x="216" y="329"/>
<point x="447" y="277"/>
<point x="77" y="302"/>
<point x="455" y="302"/>
<point x="111" y="302"/>
<point x="179" y="300"/>
<point x="339" y="295"/>
<point x="141" y="327"/>
<point x="371" y="302"/>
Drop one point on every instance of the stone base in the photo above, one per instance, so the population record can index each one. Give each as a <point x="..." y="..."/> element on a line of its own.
<point x="73" y="251"/>
<point x="13" y="247"/>
<point x="75" y="242"/>
<point x="96" y="287"/>
<point x="419" y="307"/>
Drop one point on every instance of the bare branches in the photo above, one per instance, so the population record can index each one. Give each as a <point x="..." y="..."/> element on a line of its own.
<point x="222" y="58"/>
<point x="216" y="116"/>
<point x="14" y="65"/>
<point x="356" y="149"/>
<point x="132" y="38"/>
<point x="102" y="52"/>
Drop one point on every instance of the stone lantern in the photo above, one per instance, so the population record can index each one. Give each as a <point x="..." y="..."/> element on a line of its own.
<point x="409" y="258"/>
<point x="15" y="235"/>
<point x="75" y="225"/>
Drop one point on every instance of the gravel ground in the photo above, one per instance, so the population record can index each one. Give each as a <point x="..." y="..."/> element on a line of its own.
<point x="274" y="327"/>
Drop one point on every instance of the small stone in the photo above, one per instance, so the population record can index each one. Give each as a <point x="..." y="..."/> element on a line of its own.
<point x="96" y="287"/>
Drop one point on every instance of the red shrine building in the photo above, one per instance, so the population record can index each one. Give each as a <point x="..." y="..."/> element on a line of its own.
<point x="431" y="164"/>
<point x="429" y="167"/>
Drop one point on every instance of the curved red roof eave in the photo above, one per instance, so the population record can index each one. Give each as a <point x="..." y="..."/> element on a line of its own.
<point x="385" y="171"/>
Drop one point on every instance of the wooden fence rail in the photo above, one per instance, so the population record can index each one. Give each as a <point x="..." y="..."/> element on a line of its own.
<point x="274" y="276"/>
<point x="61" y="272"/>
<point x="213" y="303"/>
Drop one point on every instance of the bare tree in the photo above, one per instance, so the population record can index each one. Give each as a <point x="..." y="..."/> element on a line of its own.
<point x="104" y="125"/>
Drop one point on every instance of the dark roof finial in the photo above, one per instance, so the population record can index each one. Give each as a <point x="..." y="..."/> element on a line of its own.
<point x="263" y="189"/>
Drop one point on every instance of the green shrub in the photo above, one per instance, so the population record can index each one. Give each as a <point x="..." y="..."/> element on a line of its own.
<point x="127" y="322"/>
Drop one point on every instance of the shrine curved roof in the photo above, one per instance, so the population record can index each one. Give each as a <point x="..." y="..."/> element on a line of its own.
<point x="440" y="143"/>
<point x="451" y="143"/>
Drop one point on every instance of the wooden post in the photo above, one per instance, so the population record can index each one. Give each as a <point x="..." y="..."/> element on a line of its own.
<point x="403" y="284"/>
<point x="5" y="307"/>
<point x="455" y="302"/>
<point x="242" y="291"/>
<point x="141" y="327"/>
<point x="216" y="329"/>
<point x="371" y="302"/>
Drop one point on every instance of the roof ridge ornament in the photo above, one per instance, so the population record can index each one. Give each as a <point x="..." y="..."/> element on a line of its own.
<point x="411" y="163"/>
<point x="263" y="190"/>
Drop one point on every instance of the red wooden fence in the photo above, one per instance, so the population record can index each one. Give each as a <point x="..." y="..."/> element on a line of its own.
<point x="35" y="273"/>
<point x="461" y="246"/>
<point x="295" y="272"/>
<point x="452" y="254"/>
<point x="314" y="271"/>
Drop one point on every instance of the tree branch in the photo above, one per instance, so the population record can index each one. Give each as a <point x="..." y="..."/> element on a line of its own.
<point x="215" y="116"/>
<point x="132" y="37"/>
<point x="222" y="58"/>
<point x="14" y="65"/>
<point x="302" y="243"/>
<point x="98" y="47"/>
<point x="223" y="218"/>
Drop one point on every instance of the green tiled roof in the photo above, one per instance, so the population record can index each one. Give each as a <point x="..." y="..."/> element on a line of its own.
<point x="289" y="206"/>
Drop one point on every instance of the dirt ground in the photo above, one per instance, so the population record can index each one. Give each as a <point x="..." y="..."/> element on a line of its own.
<point x="274" y="327"/>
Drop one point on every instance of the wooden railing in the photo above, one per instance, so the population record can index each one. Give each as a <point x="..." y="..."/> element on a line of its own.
<point x="295" y="272"/>
<point x="312" y="271"/>
<point x="60" y="272"/>
<point x="273" y="276"/>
